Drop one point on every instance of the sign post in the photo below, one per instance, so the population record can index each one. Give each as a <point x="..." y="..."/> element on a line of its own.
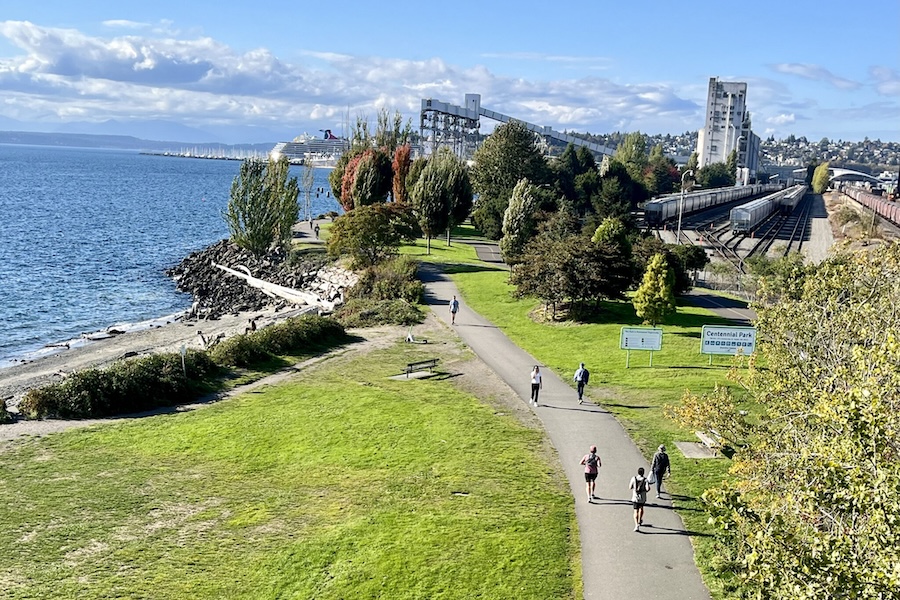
<point x="715" y="339"/>
<point x="640" y="338"/>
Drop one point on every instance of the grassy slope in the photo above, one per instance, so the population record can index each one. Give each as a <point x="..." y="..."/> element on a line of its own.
<point x="320" y="488"/>
<point x="635" y="395"/>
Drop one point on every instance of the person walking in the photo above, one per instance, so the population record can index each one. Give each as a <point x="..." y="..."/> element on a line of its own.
<point x="316" y="230"/>
<point x="454" y="308"/>
<point x="592" y="466"/>
<point x="536" y="384"/>
<point x="581" y="378"/>
<point x="659" y="467"/>
<point x="638" y="487"/>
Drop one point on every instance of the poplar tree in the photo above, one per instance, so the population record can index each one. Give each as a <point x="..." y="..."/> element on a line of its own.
<point x="518" y="221"/>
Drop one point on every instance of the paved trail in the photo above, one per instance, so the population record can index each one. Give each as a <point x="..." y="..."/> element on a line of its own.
<point x="658" y="562"/>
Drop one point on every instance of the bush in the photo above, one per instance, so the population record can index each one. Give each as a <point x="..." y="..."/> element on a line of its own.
<point x="388" y="281"/>
<point x="5" y="417"/>
<point x="300" y="333"/>
<point x="127" y="386"/>
<point x="362" y="312"/>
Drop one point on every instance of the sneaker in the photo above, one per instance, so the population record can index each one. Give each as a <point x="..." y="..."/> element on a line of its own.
<point x="637" y="528"/>
<point x="589" y="499"/>
<point x="641" y="522"/>
<point x="658" y="496"/>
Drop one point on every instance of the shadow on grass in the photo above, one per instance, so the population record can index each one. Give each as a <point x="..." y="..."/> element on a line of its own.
<point x="453" y="268"/>
<point x="627" y="406"/>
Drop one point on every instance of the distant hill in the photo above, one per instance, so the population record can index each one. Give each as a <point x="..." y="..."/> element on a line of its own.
<point x="118" y="142"/>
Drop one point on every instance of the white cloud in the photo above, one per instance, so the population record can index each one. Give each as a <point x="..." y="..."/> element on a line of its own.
<point x="125" y="24"/>
<point x="887" y="81"/>
<point x="816" y="73"/>
<point x="781" y="119"/>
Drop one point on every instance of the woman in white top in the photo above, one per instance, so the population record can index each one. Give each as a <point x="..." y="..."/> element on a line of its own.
<point x="536" y="384"/>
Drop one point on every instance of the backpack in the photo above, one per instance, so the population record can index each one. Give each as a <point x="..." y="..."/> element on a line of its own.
<point x="591" y="461"/>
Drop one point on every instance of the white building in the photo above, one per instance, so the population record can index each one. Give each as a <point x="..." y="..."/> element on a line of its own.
<point x="728" y="127"/>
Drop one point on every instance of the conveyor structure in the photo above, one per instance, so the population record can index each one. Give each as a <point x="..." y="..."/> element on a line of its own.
<point x="445" y="124"/>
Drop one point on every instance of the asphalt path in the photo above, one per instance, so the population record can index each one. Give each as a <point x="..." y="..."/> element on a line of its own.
<point x="617" y="562"/>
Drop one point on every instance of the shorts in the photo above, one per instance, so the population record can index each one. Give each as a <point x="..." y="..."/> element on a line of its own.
<point x="589" y="477"/>
<point x="637" y="505"/>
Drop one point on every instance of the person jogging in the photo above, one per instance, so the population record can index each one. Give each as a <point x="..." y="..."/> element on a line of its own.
<point x="638" y="486"/>
<point x="592" y="466"/>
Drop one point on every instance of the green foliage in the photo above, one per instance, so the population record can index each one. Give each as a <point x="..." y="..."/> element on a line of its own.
<point x="505" y="158"/>
<point x="370" y="234"/>
<point x="661" y="175"/>
<point x="814" y="509"/>
<point x="127" y="386"/>
<point x="613" y="231"/>
<point x="821" y="179"/>
<point x="620" y="193"/>
<point x="441" y="193"/>
<point x="362" y="312"/>
<point x="654" y="300"/>
<point x="777" y="279"/>
<point x="714" y="175"/>
<point x="632" y="153"/>
<point x="5" y="417"/>
<point x="297" y="335"/>
<point x="577" y="177"/>
<point x="682" y="260"/>
<point x="389" y="280"/>
<point x="518" y="221"/>
<point x="336" y="178"/>
<point x="732" y="164"/>
<point x="371" y="180"/>
<point x="263" y="205"/>
<point x="692" y="163"/>
<point x="391" y="133"/>
<point x="415" y="171"/>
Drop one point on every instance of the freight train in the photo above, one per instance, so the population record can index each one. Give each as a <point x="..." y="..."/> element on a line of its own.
<point x="879" y="204"/>
<point x="659" y="210"/>
<point x="746" y="217"/>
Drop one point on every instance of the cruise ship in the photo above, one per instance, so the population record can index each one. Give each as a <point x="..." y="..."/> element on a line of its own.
<point x="305" y="147"/>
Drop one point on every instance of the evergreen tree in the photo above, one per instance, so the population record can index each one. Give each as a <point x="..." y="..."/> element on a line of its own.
<point x="655" y="298"/>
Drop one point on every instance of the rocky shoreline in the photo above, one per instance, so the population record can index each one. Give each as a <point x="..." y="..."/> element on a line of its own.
<point x="224" y="305"/>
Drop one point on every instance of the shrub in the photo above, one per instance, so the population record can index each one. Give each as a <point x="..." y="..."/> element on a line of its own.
<point x="390" y="280"/>
<point x="362" y="312"/>
<point x="300" y="333"/>
<point x="127" y="386"/>
<point x="5" y="417"/>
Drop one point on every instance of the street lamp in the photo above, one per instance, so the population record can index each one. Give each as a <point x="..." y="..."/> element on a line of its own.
<point x="681" y="204"/>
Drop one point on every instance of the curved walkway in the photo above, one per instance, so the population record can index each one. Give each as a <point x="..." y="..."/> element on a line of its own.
<point x="617" y="562"/>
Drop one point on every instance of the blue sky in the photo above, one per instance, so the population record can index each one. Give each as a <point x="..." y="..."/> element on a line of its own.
<point x="249" y="71"/>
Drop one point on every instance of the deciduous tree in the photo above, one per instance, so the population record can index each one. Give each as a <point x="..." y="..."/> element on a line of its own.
<point x="507" y="156"/>
<point x="821" y="179"/>
<point x="518" y="221"/>
<point x="371" y="234"/>
<point x="813" y="507"/>
<point x="263" y="207"/>
<point x="401" y="171"/>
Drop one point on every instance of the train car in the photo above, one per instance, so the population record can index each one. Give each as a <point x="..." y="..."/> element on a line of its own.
<point x="881" y="206"/>
<point x="661" y="209"/>
<point x="747" y="216"/>
<point x="791" y="199"/>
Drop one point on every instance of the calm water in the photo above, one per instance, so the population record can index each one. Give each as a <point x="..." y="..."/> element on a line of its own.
<point x="85" y="236"/>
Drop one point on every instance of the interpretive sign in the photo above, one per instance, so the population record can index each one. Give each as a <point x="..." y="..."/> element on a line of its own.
<point x="715" y="339"/>
<point x="640" y="338"/>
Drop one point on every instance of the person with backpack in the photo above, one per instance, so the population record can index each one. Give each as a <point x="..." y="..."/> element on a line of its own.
<point x="592" y="466"/>
<point x="581" y="378"/>
<point x="659" y="467"/>
<point x="639" y="487"/>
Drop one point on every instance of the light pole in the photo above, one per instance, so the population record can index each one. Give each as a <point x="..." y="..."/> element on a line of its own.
<point x="681" y="204"/>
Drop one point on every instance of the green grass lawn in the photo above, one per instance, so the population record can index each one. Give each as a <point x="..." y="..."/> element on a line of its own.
<point x="325" y="487"/>
<point x="636" y="395"/>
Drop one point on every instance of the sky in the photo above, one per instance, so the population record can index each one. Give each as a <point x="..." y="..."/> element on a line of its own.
<point x="254" y="71"/>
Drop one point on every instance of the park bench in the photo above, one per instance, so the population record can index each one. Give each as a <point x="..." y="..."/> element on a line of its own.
<point x="710" y="439"/>
<point x="429" y="364"/>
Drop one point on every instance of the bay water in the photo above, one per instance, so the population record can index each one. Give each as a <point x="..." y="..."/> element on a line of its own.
<point x="86" y="235"/>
